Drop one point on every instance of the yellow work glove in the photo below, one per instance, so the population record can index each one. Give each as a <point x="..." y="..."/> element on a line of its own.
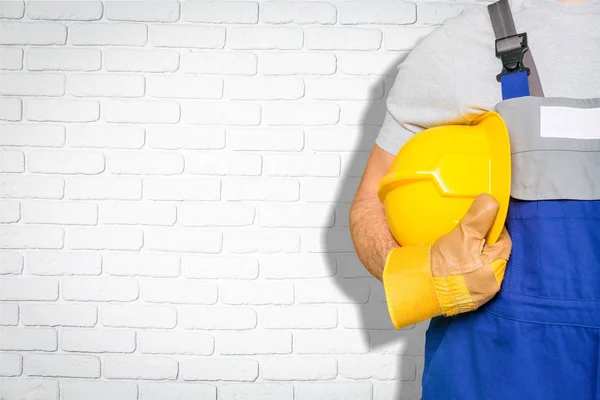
<point x="456" y="274"/>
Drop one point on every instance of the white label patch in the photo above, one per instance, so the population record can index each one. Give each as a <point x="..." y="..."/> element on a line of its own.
<point x="570" y="123"/>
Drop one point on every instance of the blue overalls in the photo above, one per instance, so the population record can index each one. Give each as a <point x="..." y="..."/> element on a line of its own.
<point x="539" y="337"/>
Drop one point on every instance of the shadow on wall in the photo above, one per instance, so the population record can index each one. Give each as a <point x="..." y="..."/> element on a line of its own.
<point x="400" y="350"/>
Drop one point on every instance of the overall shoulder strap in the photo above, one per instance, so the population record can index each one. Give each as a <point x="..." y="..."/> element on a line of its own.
<point x="519" y="76"/>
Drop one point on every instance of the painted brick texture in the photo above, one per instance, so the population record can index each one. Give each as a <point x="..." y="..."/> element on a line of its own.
<point x="175" y="180"/>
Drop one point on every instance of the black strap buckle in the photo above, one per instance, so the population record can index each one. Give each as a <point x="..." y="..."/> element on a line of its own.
<point x="512" y="60"/>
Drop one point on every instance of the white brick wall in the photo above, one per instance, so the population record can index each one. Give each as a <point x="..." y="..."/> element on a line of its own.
<point x="175" y="178"/>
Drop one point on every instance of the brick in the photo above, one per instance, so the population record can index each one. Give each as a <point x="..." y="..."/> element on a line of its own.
<point x="177" y="138"/>
<point x="340" y="342"/>
<point x="259" y="189"/>
<point x="255" y="88"/>
<point x="138" y="316"/>
<point x="436" y="13"/>
<point x="32" y="33"/>
<point x="62" y="262"/>
<point x="11" y="263"/>
<point x="349" y="266"/>
<point x="410" y="342"/>
<point x="300" y="12"/>
<point x="12" y="161"/>
<point x="355" y="88"/>
<point x="179" y="291"/>
<point x="342" y="139"/>
<point x="297" y="63"/>
<point x="186" y="87"/>
<point x="141" y="111"/>
<point x="46" y="187"/>
<point x="230" y="113"/>
<point x="327" y="190"/>
<point x="140" y="367"/>
<point x="297" y="266"/>
<point x="191" y="343"/>
<point x="192" y="240"/>
<point x="381" y="12"/>
<point x="32" y="135"/>
<point x="255" y="391"/>
<point x="218" y="318"/>
<point x="187" y="36"/>
<point x="354" y="163"/>
<point x="343" y="38"/>
<point x="28" y="339"/>
<point x="108" y="34"/>
<point x="129" y="213"/>
<point x="219" y="369"/>
<point x="264" y="38"/>
<point x="66" y="162"/>
<point x="62" y="110"/>
<point x="11" y="364"/>
<point x="178" y="188"/>
<point x="221" y="63"/>
<point x="105" y="238"/>
<point x="376" y="64"/>
<point x="257" y="293"/>
<point x="56" y="59"/>
<point x="220" y="267"/>
<point x="301" y="165"/>
<point x="98" y="341"/>
<point x="179" y="391"/>
<point x="100" y="289"/>
<point x="377" y="367"/>
<point x="104" y="188"/>
<point x="336" y="240"/>
<point x="106" y="85"/>
<point x="9" y="314"/>
<point x="296" y="216"/>
<point x="98" y="390"/>
<point x="65" y="10"/>
<point x="11" y="109"/>
<point x="157" y="11"/>
<point x="334" y="390"/>
<point x="21" y="84"/>
<point x="77" y="315"/>
<point x="10" y="211"/>
<point x="140" y="60"/>
<point x="309" y="114"/>
<point x="253" y="343"/>
<point x="11" y="58"/>
<point x="219" y="163"/>
<point x="12" y="9"/>
<point x="59" y="212"/>
<point x="31" y="237"/>
<point x="141" y="264"/>
<point x="298" y="368"/>
<point x="351" y="292"/>
<point x="62" y="365"/>
<point x="262" y="241"/>
<point x="298" y="317"/>
<point x="112" y="136"/>
<point x="363" y="113"/>
<point x="146" y="163"/>
<point x="217" y="214"/>
<point x="405" y="38"/>
<point x="388" y="389"/>
<point x="233" y="12"/>
<point x="28" y="389"/>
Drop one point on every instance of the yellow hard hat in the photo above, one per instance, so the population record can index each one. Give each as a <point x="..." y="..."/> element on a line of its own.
<point x="437" y="174"/>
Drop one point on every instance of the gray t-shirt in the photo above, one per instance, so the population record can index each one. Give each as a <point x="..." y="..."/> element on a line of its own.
<point x="450" y="76"/>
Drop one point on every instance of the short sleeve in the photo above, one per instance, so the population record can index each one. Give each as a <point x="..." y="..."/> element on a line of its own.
<point x="423" y="94"/>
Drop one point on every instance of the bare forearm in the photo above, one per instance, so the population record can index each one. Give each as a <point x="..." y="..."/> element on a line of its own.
<point x="370" y="233"/>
